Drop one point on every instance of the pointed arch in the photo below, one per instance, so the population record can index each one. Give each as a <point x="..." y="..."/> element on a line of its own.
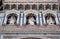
<point x="7" y="6"/>
<point x="11" y="18"/>
<point x="34" y="7"/>
<point x="48" y="6"/>
<point x="27" y="7"/>
<point x="20" y="7"/>
<point x="55" y="7"/>
<point x="50" y="19"/>
<point x="41" y="7"/>
<point x="31" y="38"/>
<point x="13" y="6"/>
<point x="31" y="17"/>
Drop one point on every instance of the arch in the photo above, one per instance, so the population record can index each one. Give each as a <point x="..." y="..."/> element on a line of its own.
<point x="50" y="19"/>
<point x="48" y="6"/>
<point x="41" y="7"/>
<point x="34" y="7"/>
<point x="20" y="7"/>
<point x="13" y="6"/>
<point x="12" y="18"/>
<point x="50" y="14"/>
<point x="31" y="38"/>
<point x="27" y="7"/>
<point x="31" y="18"/>
<point x="55" y="7"/>
<point x="31" y="11"/>
<point x="7" y="6"/>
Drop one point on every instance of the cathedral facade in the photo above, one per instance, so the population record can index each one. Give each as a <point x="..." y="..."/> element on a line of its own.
<point x="30" y="19"/>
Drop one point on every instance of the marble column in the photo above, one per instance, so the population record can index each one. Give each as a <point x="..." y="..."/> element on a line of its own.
<point x="58" y="7"/>
<point x="37" y="20"/>
<point x="37" y="7"/>
<point x="1" y="36"/>
<point x="24" y="20"/>
<point x="44" y="7"/>
<point x="5" y="20"/>
<point x="57" y="22"/>
<point x="17" y="7"/>
<point x="40" y="19"/>
<point x="44" y="20"/>
<point x="51" y="7"/>
<point x="30" y="6"/>
<point x="21" y="20"/>
<point x="10" y="7"/>
<point x="18" y="17"/>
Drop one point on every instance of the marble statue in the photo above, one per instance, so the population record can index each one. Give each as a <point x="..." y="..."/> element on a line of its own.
<point x="50" y="21"/>
<point x="12" y="20"/>
<point x="31" y="21"/>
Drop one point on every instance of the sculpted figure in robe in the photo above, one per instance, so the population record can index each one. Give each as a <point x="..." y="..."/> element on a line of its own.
<point x="50" y="21"/>
<point x="31" y="21"/>
<point x="12" y="20"/>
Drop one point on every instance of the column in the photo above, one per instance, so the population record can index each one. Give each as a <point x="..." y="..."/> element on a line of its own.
<point x="44" y="20"/>
<point x="44" y="7"/>
<point x="37" y="7"/>
<point x="3" y="6"/>
<point x="40" y="19"/>
<point x="37" y="20"/>
<point x="24" y="7"/>
<point x="17" y="7"/>
<point x="10" y="7"/>
<point x="59" y="37"/>
<point x="30" y="6"/>
<point x="51" y="7"/>
<point x="57" y="22"/>
<point x="5" y="20"/>
<point x="1" y="36"/>
<point x="18" y="17"/>
<point x="21" y="20"/>
<point x="24" y="19"/>
<point x="58" y="7"/>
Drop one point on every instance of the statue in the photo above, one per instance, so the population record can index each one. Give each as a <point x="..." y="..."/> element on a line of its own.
<point x="12" y="20"/>
<point x="50" y="21"/>
<point x="31" y="21"/>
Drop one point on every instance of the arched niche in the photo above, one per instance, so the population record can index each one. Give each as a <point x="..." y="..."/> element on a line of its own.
<point x="34" y="7"/>
<point x="13" y="6"/>
<point x="48" y="6"/>
<point x="51" y="12"/>
<point x="20" y="7"/>
<point x="7" y="6"/>
<point x="27" y="12"/>
<point x="41" y="7"/>
<point x="27" y="7"/>
<point x="31" y="38"/>
<point x="31" y="19"/>
<point x="50" y="19"/>
<point x="11" y="19"/>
